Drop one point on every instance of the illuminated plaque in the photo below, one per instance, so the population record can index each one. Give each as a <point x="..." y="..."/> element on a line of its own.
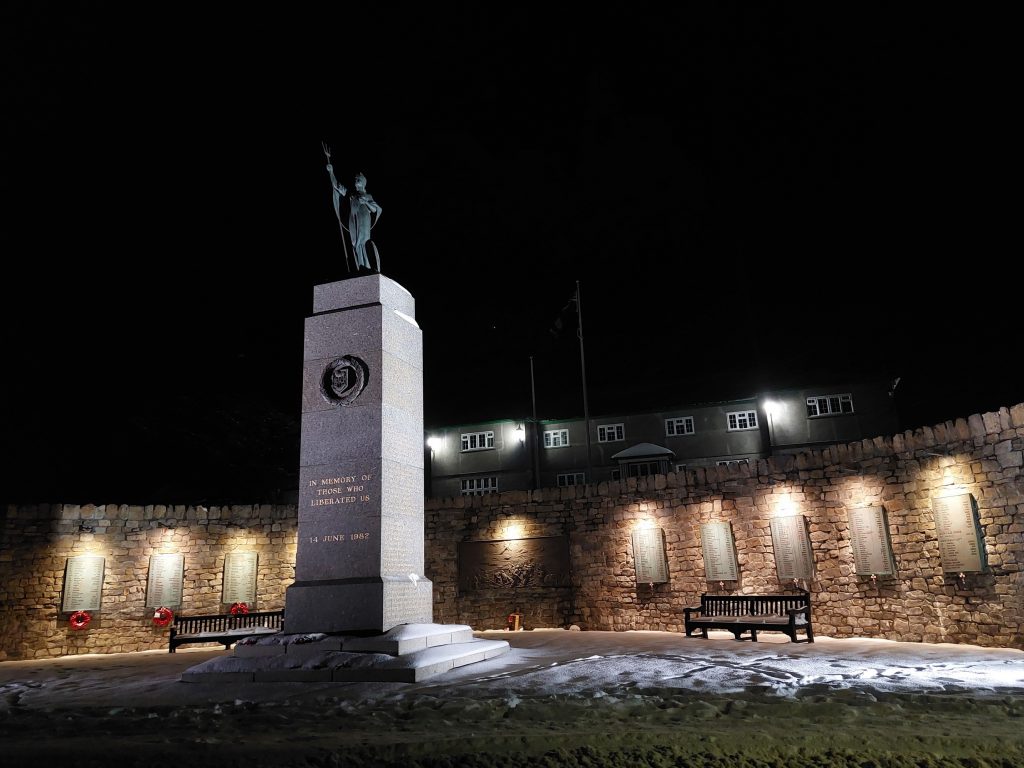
<point x="542" y="561"/>
<point x="83" y="583"/>
<point x="961" y="548"/>
<point x="719" y="552"/>
<point x="649" y="556"/>
<point x="869" y="537"/>
<point x="239" y="578"/>
<point x="793" y="556"/>
<point x="165" y="576"/>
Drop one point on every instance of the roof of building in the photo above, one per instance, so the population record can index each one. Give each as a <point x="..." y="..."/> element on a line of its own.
<point x="643" y="451"/>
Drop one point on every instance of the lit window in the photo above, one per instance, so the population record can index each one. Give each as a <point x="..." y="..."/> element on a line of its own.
<point x="829" y="405"/>
<point x="610" y="433"/>
<point x="682" y="425"/>
<point x="742" y="420"/>
<point x="556" y="438"/>
<point x="477" y="441"/>
<point x="478" y="486"/>
<point x="572" y="478"/>
<point x="643" y="468"/>
<point x="732" y="462"/>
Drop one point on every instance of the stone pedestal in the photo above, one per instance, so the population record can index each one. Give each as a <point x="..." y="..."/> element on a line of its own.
<point x="359" y="565"/>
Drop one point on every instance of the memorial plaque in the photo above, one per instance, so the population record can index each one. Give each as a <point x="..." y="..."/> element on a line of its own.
<point x="793" y="556"/>
<point x="961" y="546"/>
<point x="869" y="537"/>
<point x="514" y="563"/>
<point x="164" y="585"/>
<point x="239" y="584"/>
<point x="649" y="556"/>
<point x="719" y="551"/>
<point x="83" y="583"/>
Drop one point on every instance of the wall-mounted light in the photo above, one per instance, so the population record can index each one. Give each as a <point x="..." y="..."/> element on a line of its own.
<point x="773" y="409"/>
<point x="512" y="530"/>
<point x="86" y="526"/>
<point x="433" y="443"/>
<point x="520" y="433"/>
<point x="171" y="523"/>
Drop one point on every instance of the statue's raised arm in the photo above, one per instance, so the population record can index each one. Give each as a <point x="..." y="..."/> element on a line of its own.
<point x="338" y="192"/>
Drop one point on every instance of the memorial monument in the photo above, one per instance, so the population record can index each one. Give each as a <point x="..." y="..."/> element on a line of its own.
<point x="361" y="607"/>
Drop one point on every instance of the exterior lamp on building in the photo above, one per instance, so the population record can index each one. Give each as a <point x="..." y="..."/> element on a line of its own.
<point x="433" y="443"/>
<point x="771" y="408"/>
<point x="520" y="433"/>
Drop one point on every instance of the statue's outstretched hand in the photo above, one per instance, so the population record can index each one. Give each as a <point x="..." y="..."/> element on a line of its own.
<point x="327" y="151"/>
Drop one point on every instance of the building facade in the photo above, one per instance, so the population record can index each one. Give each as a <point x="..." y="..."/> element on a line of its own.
<point x="519" y="454"/>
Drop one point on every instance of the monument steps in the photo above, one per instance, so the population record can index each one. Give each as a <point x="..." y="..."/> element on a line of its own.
<point x="408" y="653"/>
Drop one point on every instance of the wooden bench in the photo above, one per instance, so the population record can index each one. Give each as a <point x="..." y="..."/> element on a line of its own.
<point x="751" y="613"/>
<point x="223" y="628"/>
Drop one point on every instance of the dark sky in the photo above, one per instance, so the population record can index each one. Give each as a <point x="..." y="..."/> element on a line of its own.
<point x="749" y="197"/>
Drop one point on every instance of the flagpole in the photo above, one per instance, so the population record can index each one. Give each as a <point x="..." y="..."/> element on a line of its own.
<point x="583" y="370"/>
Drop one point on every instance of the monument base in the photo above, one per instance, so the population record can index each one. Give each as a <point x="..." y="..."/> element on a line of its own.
<point x="407" y="654"/>
<point x="370" y="605"/>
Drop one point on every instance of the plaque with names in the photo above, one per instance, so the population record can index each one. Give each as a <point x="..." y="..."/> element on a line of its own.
<point x="239" y="584"/>
<point x="165" y="576"/>
<point x="793" y="556"/>
<point x="869" y="538"/>
<point x="649" y="556"/>
<point x="83" y="583"/>
<point x="719" y="551"/>
<point x="961" y="548"/>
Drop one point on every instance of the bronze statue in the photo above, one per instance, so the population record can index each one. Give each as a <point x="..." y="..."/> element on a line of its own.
<point x="363" y="214"/>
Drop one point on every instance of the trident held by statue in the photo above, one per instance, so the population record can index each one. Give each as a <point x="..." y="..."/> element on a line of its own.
<point x="338" y="191"/>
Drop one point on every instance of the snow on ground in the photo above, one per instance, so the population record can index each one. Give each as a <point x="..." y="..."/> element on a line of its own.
<point x="608" y="695"/>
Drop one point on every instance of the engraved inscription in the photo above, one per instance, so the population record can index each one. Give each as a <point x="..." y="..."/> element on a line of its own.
<point x="337" y="538"/>
<point x="960" y="544"/>
<point x="719" y="551"/>
<point x="869" y="538"/>
<point x="239" y="578"/>
<point x="649" y="556"/>
<point x="163" y="587"/>
<point x="342" y="489"/>
<point x="793" y="556"/>
<point x="83" y="583"/>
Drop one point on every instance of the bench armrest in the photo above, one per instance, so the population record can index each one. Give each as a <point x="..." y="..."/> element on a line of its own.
<point x="796" y="611"/>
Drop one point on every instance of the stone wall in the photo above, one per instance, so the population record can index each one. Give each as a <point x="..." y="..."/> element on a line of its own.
<point x="980" y="455"/>
<point x="37" y="540"/>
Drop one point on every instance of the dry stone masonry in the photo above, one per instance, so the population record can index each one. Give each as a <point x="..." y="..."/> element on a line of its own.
<point x="981" y="455"/>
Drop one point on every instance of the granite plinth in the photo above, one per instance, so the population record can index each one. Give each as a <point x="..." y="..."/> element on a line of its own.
<point x="357" y="605"/>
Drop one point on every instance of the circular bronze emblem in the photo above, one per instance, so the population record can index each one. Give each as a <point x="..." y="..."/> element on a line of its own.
<point x="344" y="380"/>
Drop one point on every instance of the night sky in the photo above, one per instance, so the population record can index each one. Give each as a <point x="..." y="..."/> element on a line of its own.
<point x="749" y="197"/>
